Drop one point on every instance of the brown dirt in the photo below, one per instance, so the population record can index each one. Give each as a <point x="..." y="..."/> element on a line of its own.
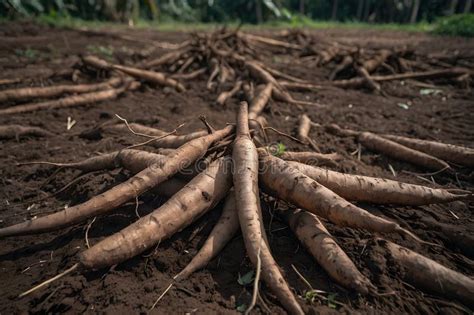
<point x="27" y="49"/>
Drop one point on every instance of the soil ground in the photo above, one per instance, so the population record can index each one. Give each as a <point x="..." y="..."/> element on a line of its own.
<point x="30" y="50"/>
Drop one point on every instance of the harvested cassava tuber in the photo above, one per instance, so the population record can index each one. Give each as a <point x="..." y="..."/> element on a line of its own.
<point x="170" y="141"/>
<point x="225" y="229"/>
<point x="130" y="159"/>
<point x="69" y="101"/>
<point x="312" y="158"/>
<point x="165" y="59"/>
<point x="368" y="80"/>
<point x="302" y="87"/>
<point x="150" y="76"/>
<point x="224" y="96"/>
<point x="431" y="276"/>
<point x="322" y="246"/>
<point x="431" y="74"/>
<point x="193" y="200"/>
<point x="22" y="94"/>
<point x="19" y="131"/>
<point x="303" y="128"/>
<point x="116" y="196"/>
<point x="260" y="101"/>
<point x="456" y="154"/>
<point x="282" y="181"/>
<point x="393" y="149"/>
<point x="197" y="197"/>
<point x="380" y="190"/>
<point x="372" y="64"/>
<point x="247" y="200"/>
<point x="189" y="76"/>
<point x="303" y="132"/>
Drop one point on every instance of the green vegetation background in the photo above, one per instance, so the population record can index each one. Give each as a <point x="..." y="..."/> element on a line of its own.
<point x="438" y="16"/>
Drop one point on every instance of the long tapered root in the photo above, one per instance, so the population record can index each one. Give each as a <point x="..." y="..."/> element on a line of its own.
<point x="322" y="246"/>
<point x="140" y="183"/>
<point x="432" y="276"/>
<point x="19" y="131"/>
<point x="287" y="183"/>
<point x="224" y="230"/>
<point x="245" y="158"/>
<point x="198" y="196"/>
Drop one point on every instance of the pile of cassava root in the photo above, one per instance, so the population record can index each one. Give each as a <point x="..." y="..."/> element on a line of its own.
<point x="228" y="58"/>
<point x="236" y="167"/>
<point x="233" y="63"/>
<point x="355" y="67"/>
<point x="237" y="172"/>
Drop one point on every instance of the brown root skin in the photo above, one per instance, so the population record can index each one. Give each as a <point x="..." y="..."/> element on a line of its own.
<point x="225" y="229"/>
<point x="145" y="180"/>
<point x="190" y="75"/>
<point x="322" y="246"/>
<point x="170" y="141"/>
<point x="224" y="96"/>
<point x="350" y="83"/>
<point x="325" y="56"/>
<point x="188" y="204"/>
<point x="260" y="101"/>
<point x="69" y="101"/>
<point x="150" y="76"/>
<point x="164" y="151"/>
<point x="97" y="63"/>
<point x="431" y="74"/>
<point x="372" y="64"/>
<point x="245" y="160"/>
<point x="449" y="152"/>
<point x="282" y="181"/>
<point x="431" y="276"/>
<point x="22" y="94"/>
<point x="269" y="41"/>
<point x="132" y="160"/>
<point x="304" y="127"/>
<point x="312" y="158"/>
<point x="19" y="131"/>
<point x="261" y="74"/>
<point x="455" y="237"/>
<point x="369" y="81"/>
<point x="302" y="87"/>
<point x="345" y="63"/>
<point x="400" y="152"/>
<point x="164" y="59"/>
<point x="390" y="148"/>
<point x="379" y="190"/>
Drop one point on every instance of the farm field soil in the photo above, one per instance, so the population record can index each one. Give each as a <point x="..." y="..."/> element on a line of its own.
<point x="30" y="50"/>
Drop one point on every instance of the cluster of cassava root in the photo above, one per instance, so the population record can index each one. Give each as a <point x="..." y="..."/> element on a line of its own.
<point x="236" y="173"/>
<point x="355" y="67"/>
<point x="235" y="165"/>
<point x="232" y="63"/>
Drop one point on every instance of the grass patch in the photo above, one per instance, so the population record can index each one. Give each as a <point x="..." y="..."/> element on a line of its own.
<point x="31" y="54"/>
<point x="456" y="25"/>
<point x="167" y="24"/>
<point x="297" y="22"/>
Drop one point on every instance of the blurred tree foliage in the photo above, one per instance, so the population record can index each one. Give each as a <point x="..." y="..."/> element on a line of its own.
<point x="246" y="11"/>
